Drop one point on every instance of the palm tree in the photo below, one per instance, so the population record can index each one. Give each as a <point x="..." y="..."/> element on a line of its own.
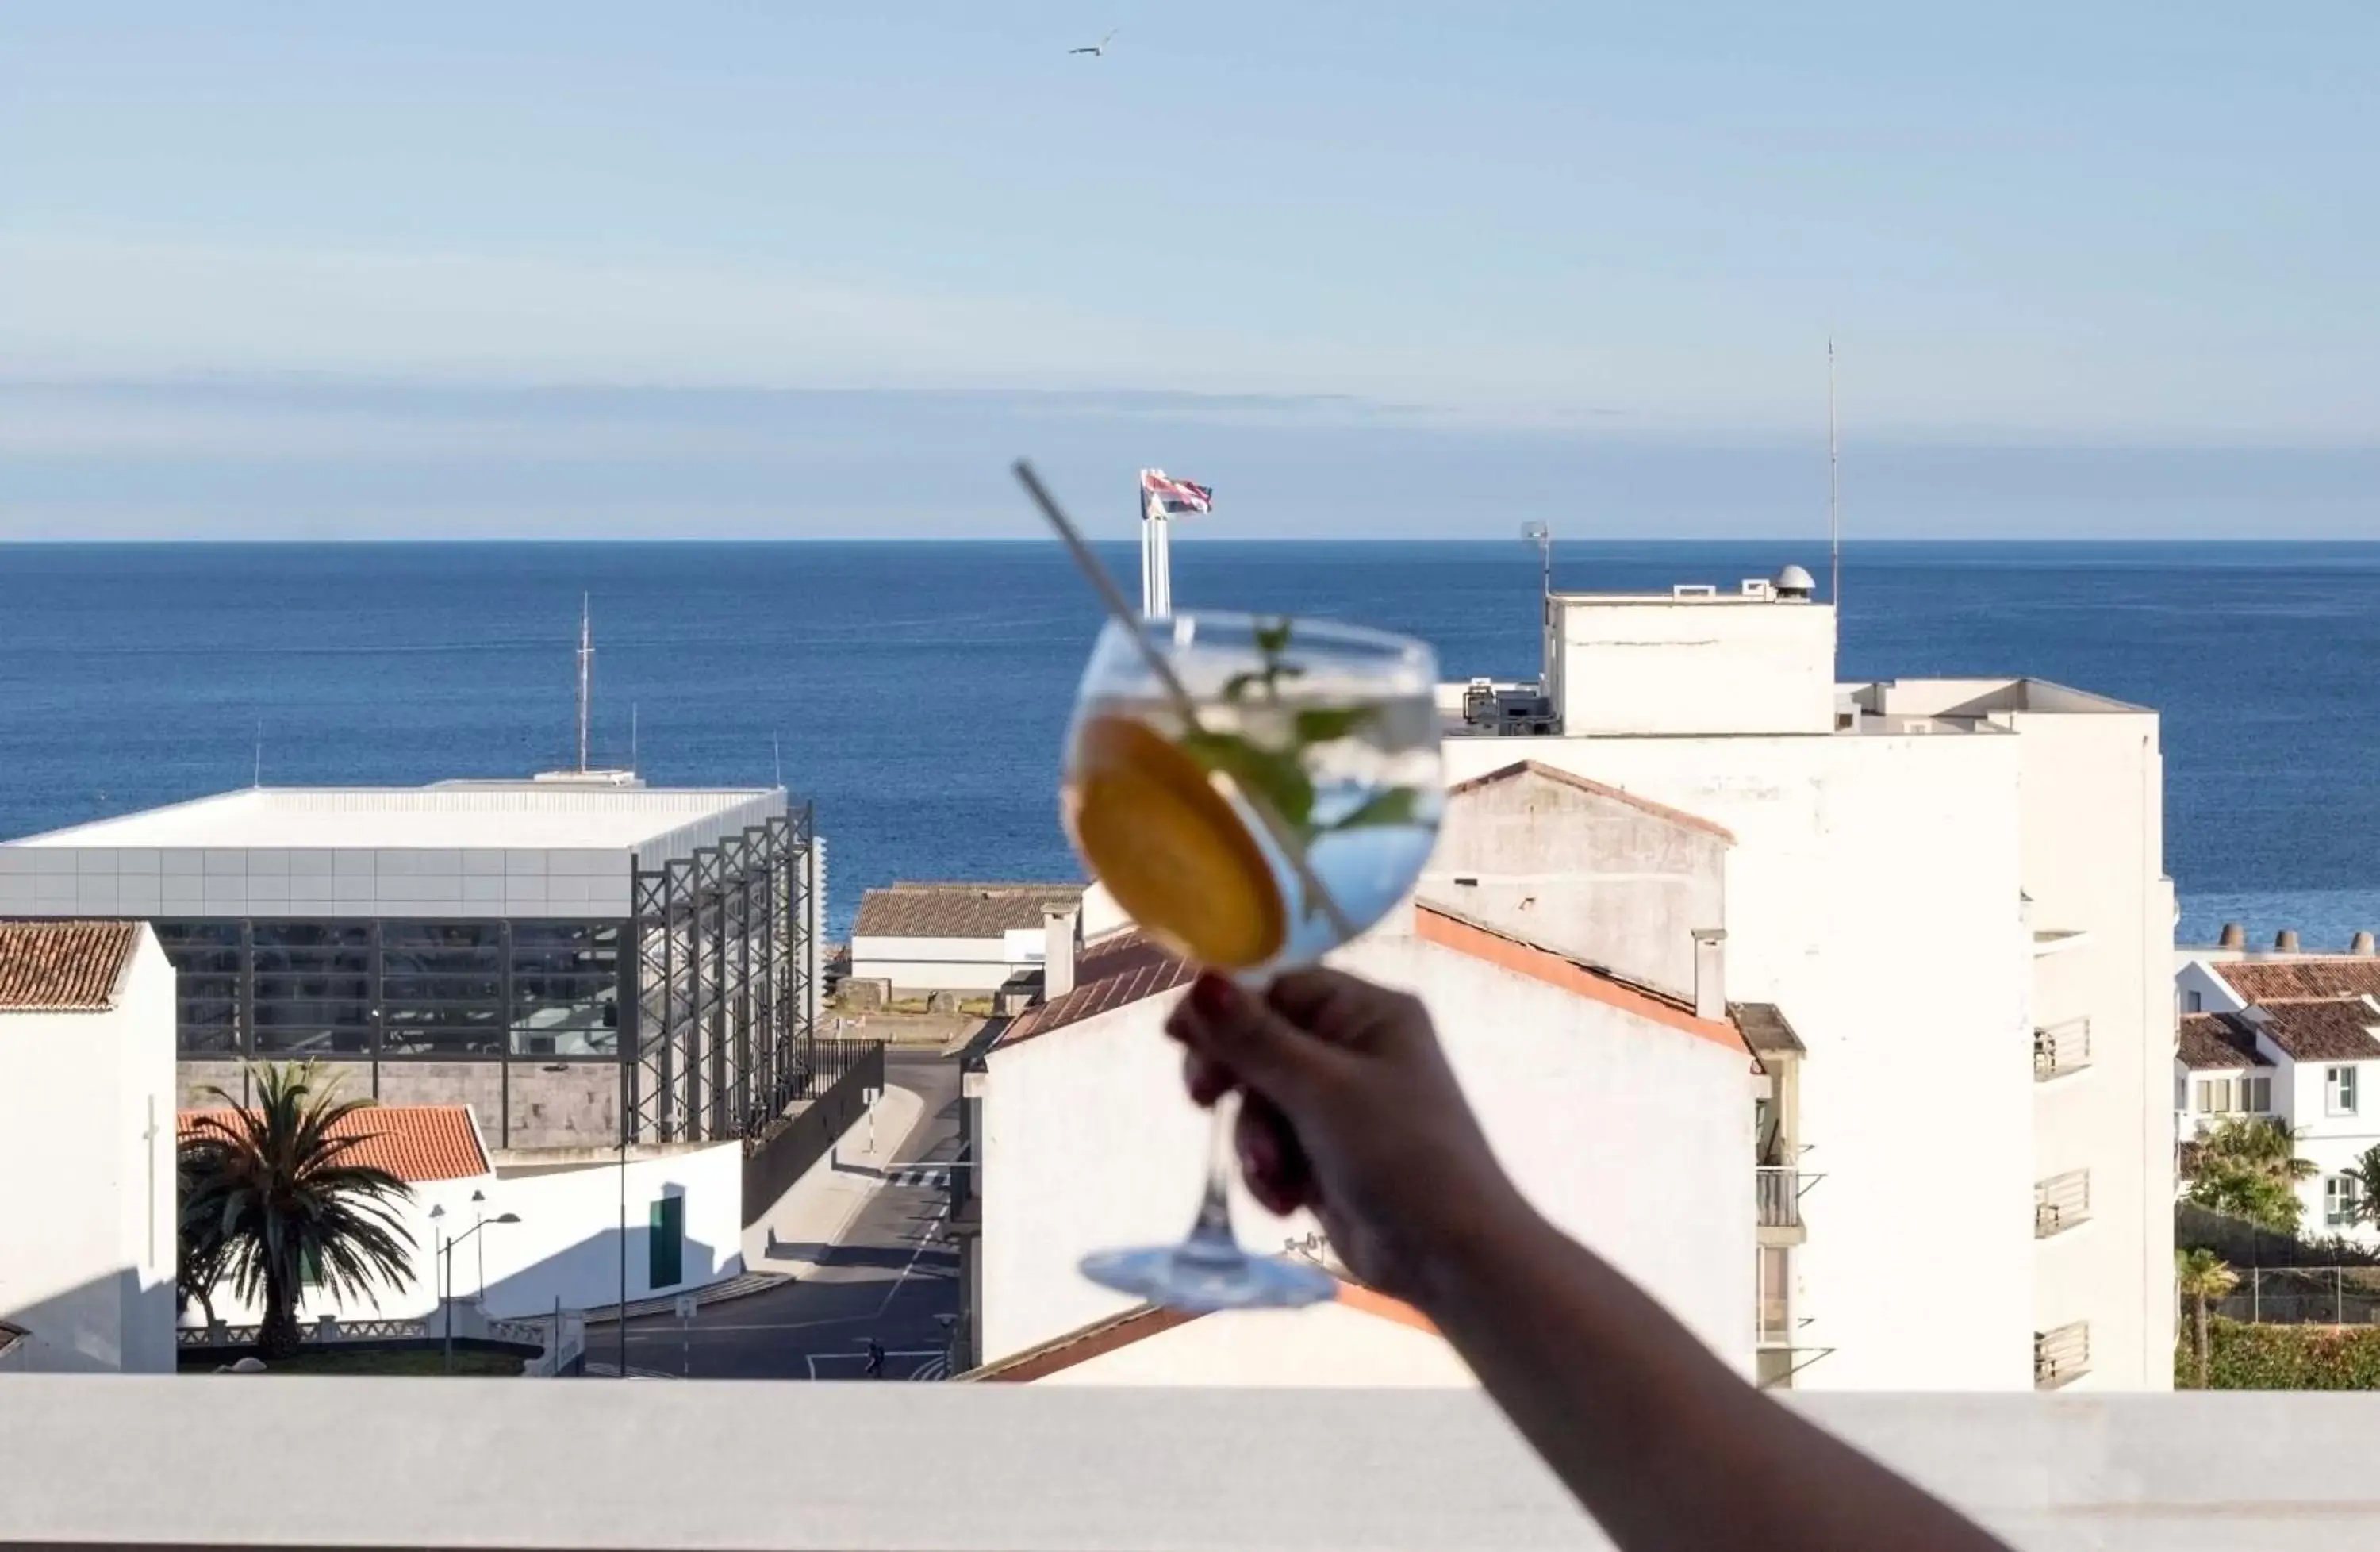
<point x="2365" y="1173"/>
<point x="2249" y="1168"/>
<point x="274" y="1192"/>
<point x="197" y="1260"/>
<point x="2202" y="1278"/>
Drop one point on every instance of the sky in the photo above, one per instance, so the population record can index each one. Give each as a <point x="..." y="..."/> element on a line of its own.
<point x="593" y="270"/>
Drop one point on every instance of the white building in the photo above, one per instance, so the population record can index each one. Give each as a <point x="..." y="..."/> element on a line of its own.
<point x="2295" y="1038"/>
<point x="87" y="1207"/>
<point x="580" y="960"/>
<point x="681" y="1206"/>
<point x="970" y="938"/>
<point x="1620" y="1103"/>
<point x="1954" y="890"/>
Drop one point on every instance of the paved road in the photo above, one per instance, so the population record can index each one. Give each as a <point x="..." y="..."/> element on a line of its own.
<point x="889" y="1276"/>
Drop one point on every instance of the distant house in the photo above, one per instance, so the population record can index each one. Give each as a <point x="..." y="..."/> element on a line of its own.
<point x="86" y="1148"/>
<point x="2294" y="1038"/>
<point x="967" y="937"/>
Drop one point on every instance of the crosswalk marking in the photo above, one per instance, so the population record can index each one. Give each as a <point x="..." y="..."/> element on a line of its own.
<point x="932" y="1178"/>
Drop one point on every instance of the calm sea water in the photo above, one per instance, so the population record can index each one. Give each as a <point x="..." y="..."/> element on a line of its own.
<point x="918" y="691"/>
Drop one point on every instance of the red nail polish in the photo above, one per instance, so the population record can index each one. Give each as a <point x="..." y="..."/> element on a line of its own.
<point x="1214" y="995"/>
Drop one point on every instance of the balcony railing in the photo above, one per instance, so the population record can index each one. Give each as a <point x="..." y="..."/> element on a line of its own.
<point x="2061" y="1354"/>
<point x="1778" y="1190"/>
<point x="2060" y="1202"/>
<point x="2061" y="1049"/>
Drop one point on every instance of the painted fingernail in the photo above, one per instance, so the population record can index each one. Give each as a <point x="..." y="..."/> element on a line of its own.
<point x="1214" y="995"/>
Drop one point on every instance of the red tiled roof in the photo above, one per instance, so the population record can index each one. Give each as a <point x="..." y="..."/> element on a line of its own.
<point x="2343" y="975"/>
<point x="1104" y="1336"/>
<point x="1435" y="924"/>
<point x="2212" y="1042"/>
<point x="415" y="1143"/>
<point x="1112" y="972"/>
<point x="63" y="966"/>
<point x="2329" y="1029"/>
<point x="912" y="910"/>
<point x="1584" y="785"/>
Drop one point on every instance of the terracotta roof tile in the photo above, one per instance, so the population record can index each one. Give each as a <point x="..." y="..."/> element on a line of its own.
<point x="1586" y="785"/>
<point x="967" y="910"/>
<point x="2331" y="1029"/>
<point x="63" y="966"/>
<point x="1436" y="924"/>
<point x="1763" y="1029"/>
<point x="415" y="1143"/>
<point x="1112" y="972"/>
<point x="2345" y="976"/>
<point x="2213" y="1042"/>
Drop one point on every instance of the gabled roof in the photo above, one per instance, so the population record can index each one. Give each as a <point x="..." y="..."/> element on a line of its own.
<point x="2258" y="980"/>
<point x="1117" y="969"/>
<point x="2215" y="1042"/>
<point x="963" y="910"/>
<point x="1104" y="1336"/>
<point x="415" y="1143"/>
<point x="2328" y="1029"/>
<point x="1564" y="778"/>
<point x="63" y="966"/>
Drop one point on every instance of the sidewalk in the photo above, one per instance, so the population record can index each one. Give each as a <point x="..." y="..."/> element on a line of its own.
<point x="801" y="1226"/>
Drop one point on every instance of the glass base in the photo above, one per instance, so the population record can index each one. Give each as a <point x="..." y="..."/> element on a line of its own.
<point x="1201" y="1277"/>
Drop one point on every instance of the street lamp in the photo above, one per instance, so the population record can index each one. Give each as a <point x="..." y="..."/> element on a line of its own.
<point x="446" y="1245"/>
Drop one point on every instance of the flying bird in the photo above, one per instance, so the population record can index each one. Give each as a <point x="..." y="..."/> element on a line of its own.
<point x="1097" y="49"/>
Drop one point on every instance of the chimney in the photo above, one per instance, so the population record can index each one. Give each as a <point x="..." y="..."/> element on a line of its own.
<point x="1058" y="952"/>
<point x="1710" y="973"/>
<point x="2361" y="944"/>
<point x="2286" y="941"/>
<point x="2234" y="936"/>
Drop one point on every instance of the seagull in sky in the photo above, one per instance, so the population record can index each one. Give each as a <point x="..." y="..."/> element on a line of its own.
<point x="1097" y="49"/>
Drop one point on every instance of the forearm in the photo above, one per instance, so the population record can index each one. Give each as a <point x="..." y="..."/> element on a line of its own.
<point x="1663" y="1444"/>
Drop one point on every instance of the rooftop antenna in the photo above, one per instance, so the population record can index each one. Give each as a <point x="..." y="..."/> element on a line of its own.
<point x="632" y="736"/>
<point x="586" y="671"/>
<point x="777" y="757"/>
<point x="1834" y="518"/>
<point x="1542" y="537"/>
<point x="256" y="777"/>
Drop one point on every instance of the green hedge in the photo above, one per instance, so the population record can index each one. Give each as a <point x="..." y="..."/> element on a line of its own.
<point x="2245" y="1357"/>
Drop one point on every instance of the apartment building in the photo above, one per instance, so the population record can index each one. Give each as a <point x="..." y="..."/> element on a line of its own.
<point x="1952" y="892"/>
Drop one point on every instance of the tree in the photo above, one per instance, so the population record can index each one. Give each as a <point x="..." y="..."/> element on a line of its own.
<point x="277" y="1195"/>
<point x="197" y="1260"/>
<point x="2249" y="1168"/>
<point x="2202" y="1278"/>
<point x="2365" y="1173"/>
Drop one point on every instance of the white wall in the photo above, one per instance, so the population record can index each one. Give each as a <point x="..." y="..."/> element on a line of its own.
<point x="566" y="1245"/>
<point x="1323" y="1346"/>
<point x="1632" y="1136"/>
<point x="1873" y="894"/>
<point x="2093" y="862"/>
<point x="1717" y="665"/>
<point x="948" y="963"/>
<point x="87" y="1204"/>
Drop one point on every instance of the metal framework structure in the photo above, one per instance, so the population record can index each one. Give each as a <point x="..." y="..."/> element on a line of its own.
<point x="719" y="1036"/>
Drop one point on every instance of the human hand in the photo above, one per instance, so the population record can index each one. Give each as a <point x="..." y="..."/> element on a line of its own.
<point x="1351" y="1111"/>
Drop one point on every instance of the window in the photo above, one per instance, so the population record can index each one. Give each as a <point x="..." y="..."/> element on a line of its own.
<point x="1776" y="1300"/>
<point x="665" y="1248"/>
<point x="2194" y="1003"/>
<point x="2342" y="1198"/>
<point x="2338" y="1090"/>
<point x="313" y="987"/>
<point x="442" y="988"/>
<point x="206" y="959"/>
<point x="2214" y="1096"/>
<point x="2256" y="1096"/>
<point x="2244" y="1095"/>
<point x="566" y="989"/>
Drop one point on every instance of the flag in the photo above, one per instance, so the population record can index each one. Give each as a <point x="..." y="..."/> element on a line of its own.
<point x="1161" y="497"/>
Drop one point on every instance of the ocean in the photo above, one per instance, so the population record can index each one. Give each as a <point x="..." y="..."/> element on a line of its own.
<point x="917" y="692"/>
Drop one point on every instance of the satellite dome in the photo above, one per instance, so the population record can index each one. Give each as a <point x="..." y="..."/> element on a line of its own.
<point x="1794" y="582"/>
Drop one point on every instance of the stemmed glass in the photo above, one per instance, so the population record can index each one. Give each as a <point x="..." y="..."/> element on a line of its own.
<point x="1253" y="792"/>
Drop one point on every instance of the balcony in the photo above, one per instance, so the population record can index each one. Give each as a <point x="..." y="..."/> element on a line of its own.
<point x="2061" y="1354"/>
<point x="2060" y="1202"/>
<point x="589" y="1464"/>
<point x="2061" y="1049"/>
<point x="1776" y="1191"/>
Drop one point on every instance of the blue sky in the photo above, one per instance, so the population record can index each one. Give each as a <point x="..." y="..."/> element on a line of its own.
<point x="790" y="269"/>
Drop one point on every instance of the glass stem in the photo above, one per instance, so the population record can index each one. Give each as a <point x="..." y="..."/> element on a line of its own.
<point x="1211" y="1232"/>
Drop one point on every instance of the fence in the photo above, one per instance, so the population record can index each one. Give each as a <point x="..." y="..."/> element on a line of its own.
<point x="2246" y="1244"/>
<point x="2061" y="1354"/>
<point x="2301" y="1296"/>
<point x="2060" y="1048"/>
<point x="848" y="1075"/>
<point x="2060" y="1202"/>
<point x="1779" y="1192"/>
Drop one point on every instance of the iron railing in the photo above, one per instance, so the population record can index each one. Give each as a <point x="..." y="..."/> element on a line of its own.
<point x="2061" y="1049"/>
<point x="2060" y="1202"/>
<point x="1777" y="1189"/>
<point x="2061" y="1354"/>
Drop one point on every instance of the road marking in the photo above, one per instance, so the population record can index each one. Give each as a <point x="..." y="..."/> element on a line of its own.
<point x="938" y="1180"/>
<point x="924" y="1239"/>
<point x="935" y="1363"/>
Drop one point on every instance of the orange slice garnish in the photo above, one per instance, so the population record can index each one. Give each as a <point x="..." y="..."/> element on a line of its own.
<point x="1171" y="848"/>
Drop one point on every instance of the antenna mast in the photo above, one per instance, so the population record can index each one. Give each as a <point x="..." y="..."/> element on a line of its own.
<point x="1834" y="518"/>
<point x="586" y="672"/>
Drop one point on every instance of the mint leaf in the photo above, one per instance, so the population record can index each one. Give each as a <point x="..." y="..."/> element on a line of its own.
<point x="1394" y="806"/>
<point x="1323" y="723"/>
<point x="1276" y="776"/>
